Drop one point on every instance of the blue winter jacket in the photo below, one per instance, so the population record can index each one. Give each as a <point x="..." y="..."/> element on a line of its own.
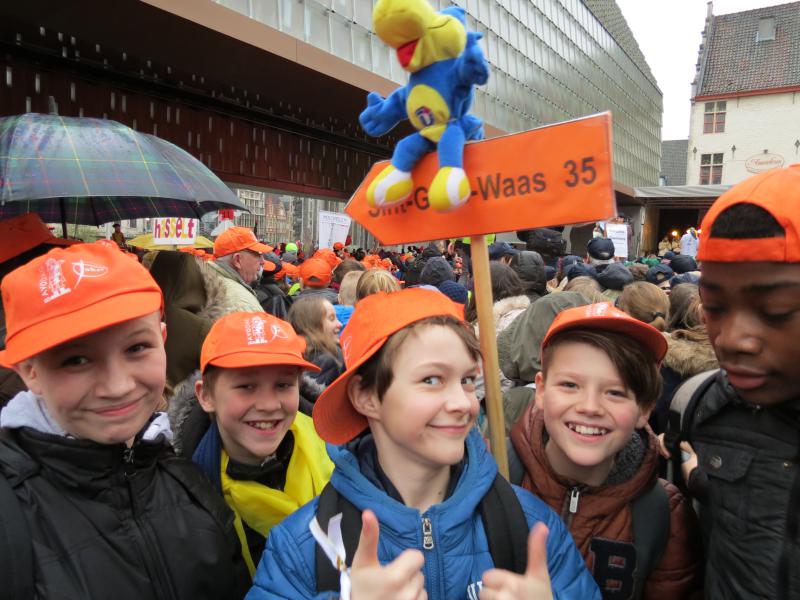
<point x="460" y="554"/>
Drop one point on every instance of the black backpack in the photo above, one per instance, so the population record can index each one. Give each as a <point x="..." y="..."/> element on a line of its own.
<point x="545" y="241"/>
<point x="503" y="520"/>
<point x="16" y="566"/>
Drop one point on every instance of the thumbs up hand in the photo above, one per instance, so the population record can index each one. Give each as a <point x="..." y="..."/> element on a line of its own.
<point x="401" y="579"/>
<point x="533" y="585"/>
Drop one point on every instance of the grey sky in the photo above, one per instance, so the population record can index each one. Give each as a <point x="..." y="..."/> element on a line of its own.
<point x="668" y="32"/>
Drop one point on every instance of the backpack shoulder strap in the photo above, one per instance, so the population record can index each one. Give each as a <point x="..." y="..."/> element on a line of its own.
<point x="330" y="504"/>
<point x="681" y="413"/>
<point x="16" y="568"/>
<point x="651" y="519"/>
<point x="506" y="526"/>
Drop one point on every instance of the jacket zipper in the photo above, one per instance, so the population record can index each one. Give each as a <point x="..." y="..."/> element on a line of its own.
<point x="427" y="534"/>
<point x="148" y="542"/>
<point x="570" y="505"/>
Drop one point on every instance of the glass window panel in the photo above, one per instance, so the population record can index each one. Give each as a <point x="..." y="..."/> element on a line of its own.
<point x="718" y="159"/>
<point x="722" y="104"/>
<point x="341" y="37"/>
<point x="362" y="47"/>
<point x="362" y="11"/>
<point x="292" y="16"/>
<point x="343" y="7"/>
<point x="317" y="31"/>
<point x="237" y="5"/>
<point x="266" y="11"/>
<point x="705" y="159"/>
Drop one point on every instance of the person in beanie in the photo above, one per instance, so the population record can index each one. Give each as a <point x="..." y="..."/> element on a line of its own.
<point x="743" y="422"/>
<point x="399" y="422"/>
<point x="587" y="451"/>
<point x="261" y="454"/>
<point x="110" y="511"/>
<point x="660" y="275"/>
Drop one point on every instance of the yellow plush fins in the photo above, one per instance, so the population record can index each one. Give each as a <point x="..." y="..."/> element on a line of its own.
<point x="449" y="189"/>
<point x="389" y="187"/>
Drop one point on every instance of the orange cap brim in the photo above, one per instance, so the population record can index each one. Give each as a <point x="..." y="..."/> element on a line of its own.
<point x="53" y="332"/>
<point x="239" y="359"/>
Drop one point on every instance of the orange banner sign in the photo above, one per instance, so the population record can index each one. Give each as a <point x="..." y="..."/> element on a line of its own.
<point x="553" y="175"/>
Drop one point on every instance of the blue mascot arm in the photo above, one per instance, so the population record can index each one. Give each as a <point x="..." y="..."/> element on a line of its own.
<point x="381" y="115"/>
<point x="471" y="66"/>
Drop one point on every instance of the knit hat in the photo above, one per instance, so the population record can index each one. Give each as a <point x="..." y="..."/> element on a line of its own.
<point x="455" y="291"/>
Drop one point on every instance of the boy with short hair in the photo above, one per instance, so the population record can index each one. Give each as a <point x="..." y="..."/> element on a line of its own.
<point x="415" y="471"/>
<point x="263" y="456"/>
<point x="744" y="422"/>
<point x="588" y="453"/>
<point x="110" y="510"/>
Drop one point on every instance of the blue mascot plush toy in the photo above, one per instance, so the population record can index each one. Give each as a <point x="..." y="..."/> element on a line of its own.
<point x="445" y="63"/>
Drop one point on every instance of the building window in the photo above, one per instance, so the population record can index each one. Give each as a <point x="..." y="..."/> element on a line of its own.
<point x="710" y="169"/>
<point x="714" y="117"/>
<point x="766" y="29"/>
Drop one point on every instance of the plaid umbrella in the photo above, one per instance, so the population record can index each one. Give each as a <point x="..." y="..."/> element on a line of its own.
<point x="94" y="171"/>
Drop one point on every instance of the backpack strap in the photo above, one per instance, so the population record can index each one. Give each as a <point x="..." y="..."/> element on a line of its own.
<point x="651" y="519"/>
<point x="503" y="521"/>
<point x="681" y="415"/>
<point x="330" y="504"/>
<point x="17" y="567"/>
<point x="506" y="526"/>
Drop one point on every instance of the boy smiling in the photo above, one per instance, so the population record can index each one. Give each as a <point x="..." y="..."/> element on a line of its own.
<point x="588" y="453"/>
<point x="415" y="471"/>
<point x="110" y="510"/>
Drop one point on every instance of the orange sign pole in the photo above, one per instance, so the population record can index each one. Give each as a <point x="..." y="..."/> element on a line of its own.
<point x="554" y="175"/>
<point x="488" y="339"/>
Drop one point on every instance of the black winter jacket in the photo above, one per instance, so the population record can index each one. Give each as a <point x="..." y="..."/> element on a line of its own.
<point x="109" y="522"/>
<point x="748" y="482"/>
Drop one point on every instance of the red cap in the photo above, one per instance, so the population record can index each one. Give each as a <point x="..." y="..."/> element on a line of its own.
<point x="315" y="272"/>
<point x="777" y="192"/>
<point x="604" y="317"/>
<point x="71" y="292"/>
<point x="375" y="318"/>
<point x="253" y="339"/>
<point x="24" y="233"/>
<point x="236" y="239"/>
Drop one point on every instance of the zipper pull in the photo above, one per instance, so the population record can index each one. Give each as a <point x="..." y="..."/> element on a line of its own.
<point x="127" y="456"/>
<point x="574" y="496"/>
<point x="427" y="534"/>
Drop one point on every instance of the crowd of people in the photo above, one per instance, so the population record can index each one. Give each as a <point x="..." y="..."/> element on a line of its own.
<point x="274" y="421"/>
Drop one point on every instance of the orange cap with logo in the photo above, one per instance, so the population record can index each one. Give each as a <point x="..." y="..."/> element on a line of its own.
<point x="253" y="339"/>
<point x="24" y="233"/>
<point x="328" y="256"/>
<point x="315" y="272"/>
<point x="375" y="319"/>
<point x="604" y="317"/>
<point x="71" y="292"/>
<point x="236" y="239"/>
<point x="777" y="192"/>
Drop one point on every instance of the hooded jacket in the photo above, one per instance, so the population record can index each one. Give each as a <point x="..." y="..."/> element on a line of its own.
<point x="460" y="553"/>
<point x="108" y="521"/>
<point x="748" y="482"/>
<point x="603" y="518"/>
<point x="237" y="290"/>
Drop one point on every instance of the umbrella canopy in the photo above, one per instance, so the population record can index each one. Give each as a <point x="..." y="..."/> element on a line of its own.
<point x="146" y="241"/>
<point x="94" y="171"/>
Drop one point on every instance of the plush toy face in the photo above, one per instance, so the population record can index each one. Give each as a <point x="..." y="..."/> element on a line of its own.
<point x="420" y="35"/>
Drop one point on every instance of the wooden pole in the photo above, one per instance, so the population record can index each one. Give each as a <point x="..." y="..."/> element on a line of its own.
<point x="491" y="365"/>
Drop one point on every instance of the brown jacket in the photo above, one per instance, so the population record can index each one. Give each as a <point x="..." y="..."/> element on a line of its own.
<point x="604" y="515"/>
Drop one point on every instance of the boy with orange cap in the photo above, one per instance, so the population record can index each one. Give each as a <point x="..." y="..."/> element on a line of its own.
<point x="586" y="450"/>
<point x="102" y="506"/>
<point x="415" y="471"/>
<point x="743" y="421"/>
<point x="263" y="456"/>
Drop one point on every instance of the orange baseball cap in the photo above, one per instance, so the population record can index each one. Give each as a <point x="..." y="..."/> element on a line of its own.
<point x="71" y="292"/>
<point x="376" y="318"/>
<point x="605" y="317"/>
<point x="236" y="239"/>
<point x="777" y="192"/>
<point x="315" y="272"/>
<point x="328" y="256"/>
<point x="253" y="339"/>
<point x="24" y="233"/>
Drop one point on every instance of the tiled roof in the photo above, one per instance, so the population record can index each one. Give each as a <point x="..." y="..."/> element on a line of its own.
<point x="610" y="17"/>
<point x="674" y="156"/>
<point x="735" y="62"/>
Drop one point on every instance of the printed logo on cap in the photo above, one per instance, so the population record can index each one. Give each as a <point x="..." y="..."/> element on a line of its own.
<point x="256" y="332"/>
<point x="346" y="347"/>
<point x="52" y="283"/>
<point x="598" y="310"/>
<point x="84" y="269"/>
